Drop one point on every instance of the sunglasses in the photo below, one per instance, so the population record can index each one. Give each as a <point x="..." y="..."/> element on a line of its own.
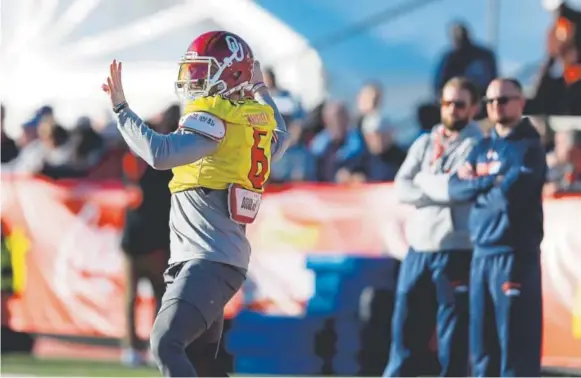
<point x="502" y="100"/>
<point x="458" y="104"/>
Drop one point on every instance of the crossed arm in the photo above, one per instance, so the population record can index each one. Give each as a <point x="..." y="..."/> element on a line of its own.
<point x="406" y="190"/>
<point x="421" y="188"/>
<point x="521" y="179"/>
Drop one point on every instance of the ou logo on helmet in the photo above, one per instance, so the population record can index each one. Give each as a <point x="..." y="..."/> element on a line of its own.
<point x="236" y="48"/>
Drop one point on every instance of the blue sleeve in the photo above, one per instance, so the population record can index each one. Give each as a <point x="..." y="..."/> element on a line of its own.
<point x="523" y="181"/>
<point x="468" y="190"/>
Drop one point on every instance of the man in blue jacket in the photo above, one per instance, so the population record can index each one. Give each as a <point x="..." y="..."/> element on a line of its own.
<point x="504" y="174"/>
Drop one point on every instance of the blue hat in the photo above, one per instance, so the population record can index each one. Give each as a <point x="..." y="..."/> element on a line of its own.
<point x="31" y="123"/>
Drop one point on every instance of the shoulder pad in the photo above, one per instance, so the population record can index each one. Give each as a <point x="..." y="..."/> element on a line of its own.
<point x="205" y="124"/>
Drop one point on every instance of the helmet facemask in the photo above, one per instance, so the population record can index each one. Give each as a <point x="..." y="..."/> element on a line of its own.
<point x="195" y="78"/>
<point x="202" y="75"/>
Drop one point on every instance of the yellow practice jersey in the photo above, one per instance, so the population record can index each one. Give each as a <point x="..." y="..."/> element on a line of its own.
<point x="244" y="153"/>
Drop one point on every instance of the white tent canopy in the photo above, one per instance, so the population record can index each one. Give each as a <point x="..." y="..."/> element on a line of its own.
<point x="57" y="52"/>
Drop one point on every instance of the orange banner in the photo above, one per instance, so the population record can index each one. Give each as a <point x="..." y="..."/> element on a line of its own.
<point x="74" y="278"/>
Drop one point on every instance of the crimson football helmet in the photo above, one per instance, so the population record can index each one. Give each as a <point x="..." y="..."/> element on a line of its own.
<point x="216" y="62"/>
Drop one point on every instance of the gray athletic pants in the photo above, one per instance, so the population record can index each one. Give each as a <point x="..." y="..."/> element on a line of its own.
<point x="191" y="316"/>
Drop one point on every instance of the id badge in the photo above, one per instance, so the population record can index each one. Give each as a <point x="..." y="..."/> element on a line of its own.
<point x="243" y="204"/>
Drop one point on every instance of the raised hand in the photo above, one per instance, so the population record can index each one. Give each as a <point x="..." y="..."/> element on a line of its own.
<point x="113" y="86"/>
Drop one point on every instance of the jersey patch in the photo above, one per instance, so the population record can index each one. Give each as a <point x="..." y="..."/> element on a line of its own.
<point x="257" y="119"/>
<point x="205" y="124"/>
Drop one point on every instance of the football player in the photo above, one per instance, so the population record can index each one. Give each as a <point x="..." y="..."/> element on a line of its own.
<point x="228" y="136"/>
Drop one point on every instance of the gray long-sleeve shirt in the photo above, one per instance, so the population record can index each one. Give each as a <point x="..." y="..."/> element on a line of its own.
<point x="437" y="224"/>
<point x="200" y="223"/>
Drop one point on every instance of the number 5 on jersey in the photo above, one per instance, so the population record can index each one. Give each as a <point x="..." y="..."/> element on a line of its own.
<point x="259" y="166"/>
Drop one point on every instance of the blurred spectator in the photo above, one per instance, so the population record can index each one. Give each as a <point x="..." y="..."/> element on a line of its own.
<point x="297" y="164"/>
<point x="88" y="146"/>
<point x="384" y="157"/>
<point x="110" y="166"/>
<point x="313" y="123"/>
<point x="337" y="146"/>
<point x="369" y="106"/>
<point x="465" y="59"/>
<point x="549" y="90"/>
<point x="170" y="119"/>
<point x="9" y="148"/>
<point x="29" y="132"/>
<point x="381" y="160"/>
<point x="288" y="106"/>
<point x="48" y="152"/>
<point x="145" y="239"/>
<point x="564" y="164"/>
<point x="45" y="114"/>
<point x="30" y="127"/>
<point x="560" y="93"/>
<point x="109" y="132"/>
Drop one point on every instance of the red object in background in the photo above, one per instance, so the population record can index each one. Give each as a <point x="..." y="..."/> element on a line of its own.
<point x="564" y="41"/>
<point x="75" y="272"/>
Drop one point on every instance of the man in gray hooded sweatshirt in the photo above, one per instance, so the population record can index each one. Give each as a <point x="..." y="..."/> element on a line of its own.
<point x="433" y="280"/>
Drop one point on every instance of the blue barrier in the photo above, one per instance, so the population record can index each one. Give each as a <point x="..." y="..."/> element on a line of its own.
<point x="345" y="364"/>
<point x="339" y="281"/>
<point x="267" y="344"/>
<point x="327" y="339"/>
<point x="348" y="336"/>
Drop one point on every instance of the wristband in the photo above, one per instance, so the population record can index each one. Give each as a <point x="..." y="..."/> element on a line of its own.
<point x="117" y="108"/>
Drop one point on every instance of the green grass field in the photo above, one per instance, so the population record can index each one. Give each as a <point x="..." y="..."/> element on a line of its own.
<point x="21" y="366"/>
<point x="30" y="366"/>
<point x="25" y="365"/>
